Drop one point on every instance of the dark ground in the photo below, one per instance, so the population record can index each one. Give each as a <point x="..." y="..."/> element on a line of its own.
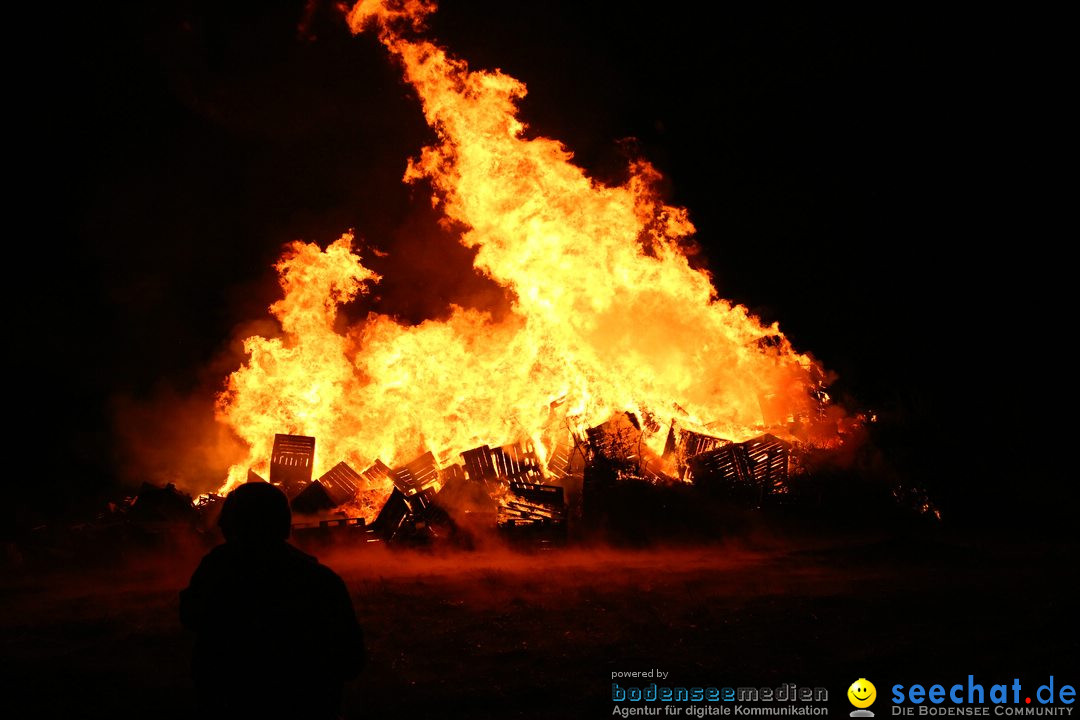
<point x="495" y="634"/>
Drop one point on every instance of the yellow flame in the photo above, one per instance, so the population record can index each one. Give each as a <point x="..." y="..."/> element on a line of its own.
<point x="607" y="314"/>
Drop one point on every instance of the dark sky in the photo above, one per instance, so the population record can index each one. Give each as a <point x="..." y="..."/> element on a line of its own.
<point x="883" y="183"/>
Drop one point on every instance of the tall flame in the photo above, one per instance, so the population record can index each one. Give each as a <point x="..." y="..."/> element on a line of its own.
<point x="607" y="313"/>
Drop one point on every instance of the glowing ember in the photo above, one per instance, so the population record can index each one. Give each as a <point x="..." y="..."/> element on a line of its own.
<point x="607" y="313"/>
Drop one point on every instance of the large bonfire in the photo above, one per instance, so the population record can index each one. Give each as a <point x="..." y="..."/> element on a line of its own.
<point x="607" y="313"/>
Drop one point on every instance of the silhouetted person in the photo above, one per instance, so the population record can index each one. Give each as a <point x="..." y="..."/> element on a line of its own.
<point x="277" y="636"/>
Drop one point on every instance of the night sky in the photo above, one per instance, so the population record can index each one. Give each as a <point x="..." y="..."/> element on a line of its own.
<point x="882" y="183"/>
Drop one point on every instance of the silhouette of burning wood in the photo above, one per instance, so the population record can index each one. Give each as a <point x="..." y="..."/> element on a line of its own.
<point x="531" y="505"/>
<point x="748" y="471"/>
<point x="291" y="463"/>
<point x="525" y="490"/>
<point x="335" y="488"/>
<point x="534" y="497"/>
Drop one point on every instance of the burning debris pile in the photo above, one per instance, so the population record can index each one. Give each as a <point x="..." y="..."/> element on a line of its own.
<point x="512" y="491"/>
<point x="506" y="482"/>
<point x="512" y="488"/>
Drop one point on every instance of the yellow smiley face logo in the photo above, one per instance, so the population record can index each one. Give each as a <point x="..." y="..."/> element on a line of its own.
<point x="862" y="693"/>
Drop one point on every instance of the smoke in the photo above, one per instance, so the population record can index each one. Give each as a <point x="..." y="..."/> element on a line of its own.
<point x="171" y="436"/>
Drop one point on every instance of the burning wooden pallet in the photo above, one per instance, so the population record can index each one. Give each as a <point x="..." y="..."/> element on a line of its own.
<point x="418" y="482"/>
<point x="479" y="464"/>
<point x="416" y="476"/>
<point x="335" y="531"/>
<point x="768" y="460"/>
<point x="291" y="463"/>
<point x="530" y="505"/>
<point x="747" y="470"/>
<point x="391" y="518"/>
<point x="567" y="458"/>
<point x="336" y="487"/>
<point x="516" y="461"/>
<point x="514" y="473"/>
<point x="377" y="475"/>
<point x="410" y="512"/>
<point x="503" y="464"/>
<point x="694" y="443"/>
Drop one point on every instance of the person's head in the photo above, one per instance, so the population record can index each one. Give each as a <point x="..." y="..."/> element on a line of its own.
<point x="255" y="512"/>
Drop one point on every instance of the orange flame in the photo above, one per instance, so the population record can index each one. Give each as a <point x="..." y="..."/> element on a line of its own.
<point x="607" y="315"/>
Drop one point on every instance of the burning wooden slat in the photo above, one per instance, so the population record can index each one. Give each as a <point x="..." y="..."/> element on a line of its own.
<point x="535" y="492"/>
<point x="559" y="460"/>
<point x="479" y="464"/>
<point x="417" y="475"/>
<point x="767" y="461"/>
<point x="451" y="475"/>
<point x="392" y="516"/>
<point x="336" y="487"/>
<point x="694" y="443"/>
<point x="353" y="530"/>
<point x="421" y="501"/>
<point x="377" y="475"/>
<point x="748" y="470"/>
<point x="723" y="465"/>
<point x="291" y="462"/>
<point x="515" y="461"/>
<point x="531" y="510"/>
<point x="254" y="477"/>
<point x="331" y="523"/>
<point x="567" y="461"/>
<point x="341" y="483"/>
<point x="501" y="465"/>
<point x="516" y="523"/>
<point x="531" y="505"/>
